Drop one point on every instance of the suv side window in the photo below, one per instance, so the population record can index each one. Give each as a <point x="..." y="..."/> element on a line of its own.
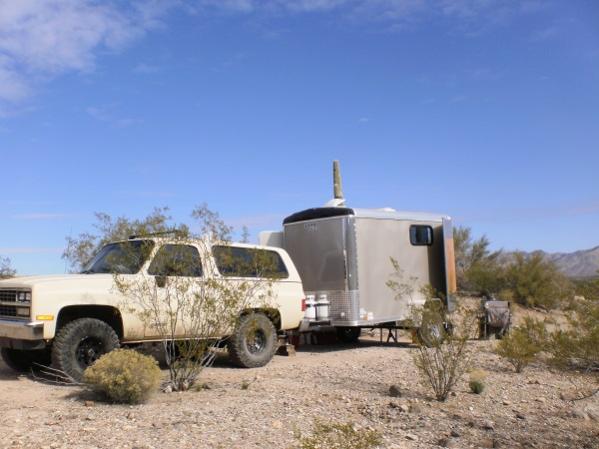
<point x="249" y="262"/>
<point x="176" y="260"/>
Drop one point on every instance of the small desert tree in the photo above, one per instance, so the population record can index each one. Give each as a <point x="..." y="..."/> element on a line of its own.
<point x="477" y="267"/>
<point x="108" y="229"/>
<point x="441" y="358"/>
<point x="535" y="281"/>
<point x="6" y="270"/>
<point x="181" y="301"/>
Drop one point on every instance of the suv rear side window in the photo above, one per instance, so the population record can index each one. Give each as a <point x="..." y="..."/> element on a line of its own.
<point x="249" y="262"/>
<point x="421" y="235"/>
<point x="176" y="260"/>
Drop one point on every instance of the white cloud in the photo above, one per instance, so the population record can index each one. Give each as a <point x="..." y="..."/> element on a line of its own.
<point x="107" y="114"/>
<point x="41" y="216"/>
<point x="31" y="250"/>
<point x="44" y="38"/>
<point x="41" y="39"/>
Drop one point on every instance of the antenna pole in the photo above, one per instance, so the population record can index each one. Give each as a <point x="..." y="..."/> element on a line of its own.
<point x="337" y="188"/>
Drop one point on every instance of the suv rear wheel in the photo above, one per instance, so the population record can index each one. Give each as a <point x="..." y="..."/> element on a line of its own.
<point x="80" y="343"/>
<point x="254" y="341"/>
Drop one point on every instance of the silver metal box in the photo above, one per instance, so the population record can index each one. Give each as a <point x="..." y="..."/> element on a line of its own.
<point x="346" y="253"/>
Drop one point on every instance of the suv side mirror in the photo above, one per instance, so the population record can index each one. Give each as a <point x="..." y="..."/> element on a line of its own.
<point x="160" y="281"/>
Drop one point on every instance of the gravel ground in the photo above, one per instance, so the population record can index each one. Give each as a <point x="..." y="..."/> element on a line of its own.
<point x="342" y="383"/>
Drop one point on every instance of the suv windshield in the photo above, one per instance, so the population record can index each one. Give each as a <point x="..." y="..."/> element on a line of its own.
<point x="120" y="258"/>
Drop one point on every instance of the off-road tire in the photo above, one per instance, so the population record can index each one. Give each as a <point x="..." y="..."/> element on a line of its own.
<point x="68" y="348"/>
<point x="348" y="334"/>
<point x="24" y="361"/>
<point x="250" y="328"/>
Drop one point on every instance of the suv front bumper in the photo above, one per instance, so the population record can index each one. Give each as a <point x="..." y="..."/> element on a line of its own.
<point x="22" y="334"/>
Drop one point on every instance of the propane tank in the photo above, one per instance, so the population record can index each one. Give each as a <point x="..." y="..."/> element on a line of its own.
<point x="310" y="307"/>
<point x="322" y="307"/>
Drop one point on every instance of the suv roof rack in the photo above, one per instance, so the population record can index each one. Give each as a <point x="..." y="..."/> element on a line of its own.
<point x="158" y="233"/>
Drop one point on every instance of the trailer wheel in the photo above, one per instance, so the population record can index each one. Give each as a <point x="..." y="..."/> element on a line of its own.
<point x="431" y="334"/>
<point x="80" y="343"/>
<point x="348" y="334"/>
<point x="24" y="361"/>
<point x="254" y="341"/>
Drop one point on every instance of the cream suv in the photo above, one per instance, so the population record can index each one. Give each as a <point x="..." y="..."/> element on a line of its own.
<point x="71" y="320"/>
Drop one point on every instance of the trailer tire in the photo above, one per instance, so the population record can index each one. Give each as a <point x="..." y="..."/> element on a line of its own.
<point x="254" y="341"/>
<point x="23" y="361"/>
<point x="431" y="334"/>
<point x="348" y="334"/>
<point x="80" y="343"/>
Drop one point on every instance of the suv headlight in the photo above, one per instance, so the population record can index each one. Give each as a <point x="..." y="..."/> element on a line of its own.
<point x="24" y="297"/>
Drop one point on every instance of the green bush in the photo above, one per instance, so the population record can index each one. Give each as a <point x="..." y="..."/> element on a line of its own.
<point x="521" y="346"/>
<point x="124" y="376"/>
<point x="578" y="345"/>
<point x="477" y="381"/>
<point x="536" y="282"/>
<point x="588" y="288"/>
<point x="339" y="436"/>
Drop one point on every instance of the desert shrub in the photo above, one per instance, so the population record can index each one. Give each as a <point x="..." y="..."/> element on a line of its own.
<point x="587" y="288"/>
<point x="536" y="282"/>
<point x="578" y="345"/>
<point x="477" y="268"/>
<point x="442" y="358"/>
<point x="6" y="270"/>
<point x="477" y="381"/>
<point x="521" y="346"/>
<point x="124" y="376"/>
<point x="338" y="436"/>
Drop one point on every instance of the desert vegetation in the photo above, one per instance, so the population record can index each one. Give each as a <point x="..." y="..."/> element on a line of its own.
<point x="6" y="270"/>
<point x="527" y="279"/>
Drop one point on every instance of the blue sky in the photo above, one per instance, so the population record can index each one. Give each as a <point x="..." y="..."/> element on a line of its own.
<point x="485" y="110"/>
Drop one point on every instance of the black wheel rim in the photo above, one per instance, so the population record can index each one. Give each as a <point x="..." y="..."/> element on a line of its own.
<point x="256" y="341"/>
<point x="89" y="350"/>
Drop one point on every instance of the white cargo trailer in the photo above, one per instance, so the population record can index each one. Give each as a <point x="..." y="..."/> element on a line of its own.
<point x="344" y="254"/>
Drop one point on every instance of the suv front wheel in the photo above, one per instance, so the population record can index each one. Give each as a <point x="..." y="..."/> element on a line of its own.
<point x="80" y="343"/>
<point x="254" y="341"/>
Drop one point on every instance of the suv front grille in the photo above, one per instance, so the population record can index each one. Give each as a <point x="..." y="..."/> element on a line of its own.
<point x="8" y="295"/>
<point x="11" y="306"/>
<point x="8" y="311"/>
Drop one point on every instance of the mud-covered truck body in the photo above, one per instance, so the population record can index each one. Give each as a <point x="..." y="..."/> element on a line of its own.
<point x="78" y="317"/>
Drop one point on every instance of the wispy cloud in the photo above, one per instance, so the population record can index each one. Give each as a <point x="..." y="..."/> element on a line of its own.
<point x="31" y="250"/>
<point x="41" y="216"/>
<point x="42" y="39"/>
<point x="147" y="194"/>
<point x="108" y="114"/>
<point x="145" y="69"/>
<point x="253" y="221"/>
<point x="531" y="213"/>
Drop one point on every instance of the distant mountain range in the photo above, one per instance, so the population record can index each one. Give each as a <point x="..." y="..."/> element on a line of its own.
<point x="584" y="263"/>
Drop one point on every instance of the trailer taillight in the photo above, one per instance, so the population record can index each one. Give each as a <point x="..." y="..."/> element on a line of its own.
<point x="303" y="304"/>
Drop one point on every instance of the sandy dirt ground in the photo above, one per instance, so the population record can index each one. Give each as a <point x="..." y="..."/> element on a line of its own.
<point x="341" y="383"/>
